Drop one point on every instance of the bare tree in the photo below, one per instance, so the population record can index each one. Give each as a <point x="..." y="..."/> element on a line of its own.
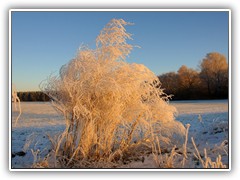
<point x="214" y="72"/>
<point x="169" y="82"/>
<point x="188" y="78"/>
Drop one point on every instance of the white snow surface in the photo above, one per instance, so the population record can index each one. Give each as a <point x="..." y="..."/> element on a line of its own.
<point x="208" y="119"/>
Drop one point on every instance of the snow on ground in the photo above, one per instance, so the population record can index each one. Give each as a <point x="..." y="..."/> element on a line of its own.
<point x="208" y="120"/>
<point x="37" y="121"/>
<point x="209" y="126"/>
<point x="200" y="106"/>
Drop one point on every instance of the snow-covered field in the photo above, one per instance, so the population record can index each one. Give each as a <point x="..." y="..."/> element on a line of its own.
<point x="209" y="126"/>
<point x="208" y="120"/>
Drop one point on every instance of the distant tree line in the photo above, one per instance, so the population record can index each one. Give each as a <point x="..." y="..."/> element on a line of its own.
<point x="33" y="96"/>
<point x="209" y="82"/>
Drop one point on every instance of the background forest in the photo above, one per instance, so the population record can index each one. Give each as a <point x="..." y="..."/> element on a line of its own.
<point x="209" y="82"/>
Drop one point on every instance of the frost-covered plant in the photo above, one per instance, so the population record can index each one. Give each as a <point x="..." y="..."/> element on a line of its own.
<point x="208" y="163"/>
<point x="109" y="105"/>
<point x="16" y="101"/>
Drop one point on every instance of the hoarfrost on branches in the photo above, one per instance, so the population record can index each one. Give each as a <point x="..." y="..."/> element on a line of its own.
<point x="16" y="101"/>
<point x="109" y="105"/>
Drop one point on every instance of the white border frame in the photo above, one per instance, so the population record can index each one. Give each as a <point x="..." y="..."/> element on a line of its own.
<point x="119" y="10"/>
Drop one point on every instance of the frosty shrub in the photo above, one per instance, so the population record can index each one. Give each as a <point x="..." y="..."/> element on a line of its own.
<point x="109" y="105"/>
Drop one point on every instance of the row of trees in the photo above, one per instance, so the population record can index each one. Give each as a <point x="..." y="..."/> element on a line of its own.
<point x="33" y="96"/>
<point x="209" y="82"/>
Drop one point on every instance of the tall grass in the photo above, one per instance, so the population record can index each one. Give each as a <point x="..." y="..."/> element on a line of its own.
<point x="110" y="106"/>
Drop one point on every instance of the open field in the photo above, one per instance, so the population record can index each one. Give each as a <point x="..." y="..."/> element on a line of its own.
<point x="208" y="120"/>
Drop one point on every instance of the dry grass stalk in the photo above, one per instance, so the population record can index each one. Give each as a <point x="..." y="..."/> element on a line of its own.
<point x="208" y="163"/>
<point x="198" y="153"/>
<point x="16" y="102"/>
<point x="185" y="145"/>
<point x="186" y="140"/>
<point x="157" y="153"/>
<point x="169" y="160"/>
<point x="221" y="147"/>
<point x="37" y="161"/>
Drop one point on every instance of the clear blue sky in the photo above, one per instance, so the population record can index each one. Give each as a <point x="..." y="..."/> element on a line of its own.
<point x="43" y="41"/>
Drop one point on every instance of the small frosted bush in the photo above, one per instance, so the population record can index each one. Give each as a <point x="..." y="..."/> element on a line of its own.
<point x="109" y="105"/>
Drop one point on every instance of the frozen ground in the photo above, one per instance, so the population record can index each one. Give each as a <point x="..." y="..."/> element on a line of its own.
<point x="209" y="126"/>
<point x="208" y="120"/>
<point x="37" y="121"/>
